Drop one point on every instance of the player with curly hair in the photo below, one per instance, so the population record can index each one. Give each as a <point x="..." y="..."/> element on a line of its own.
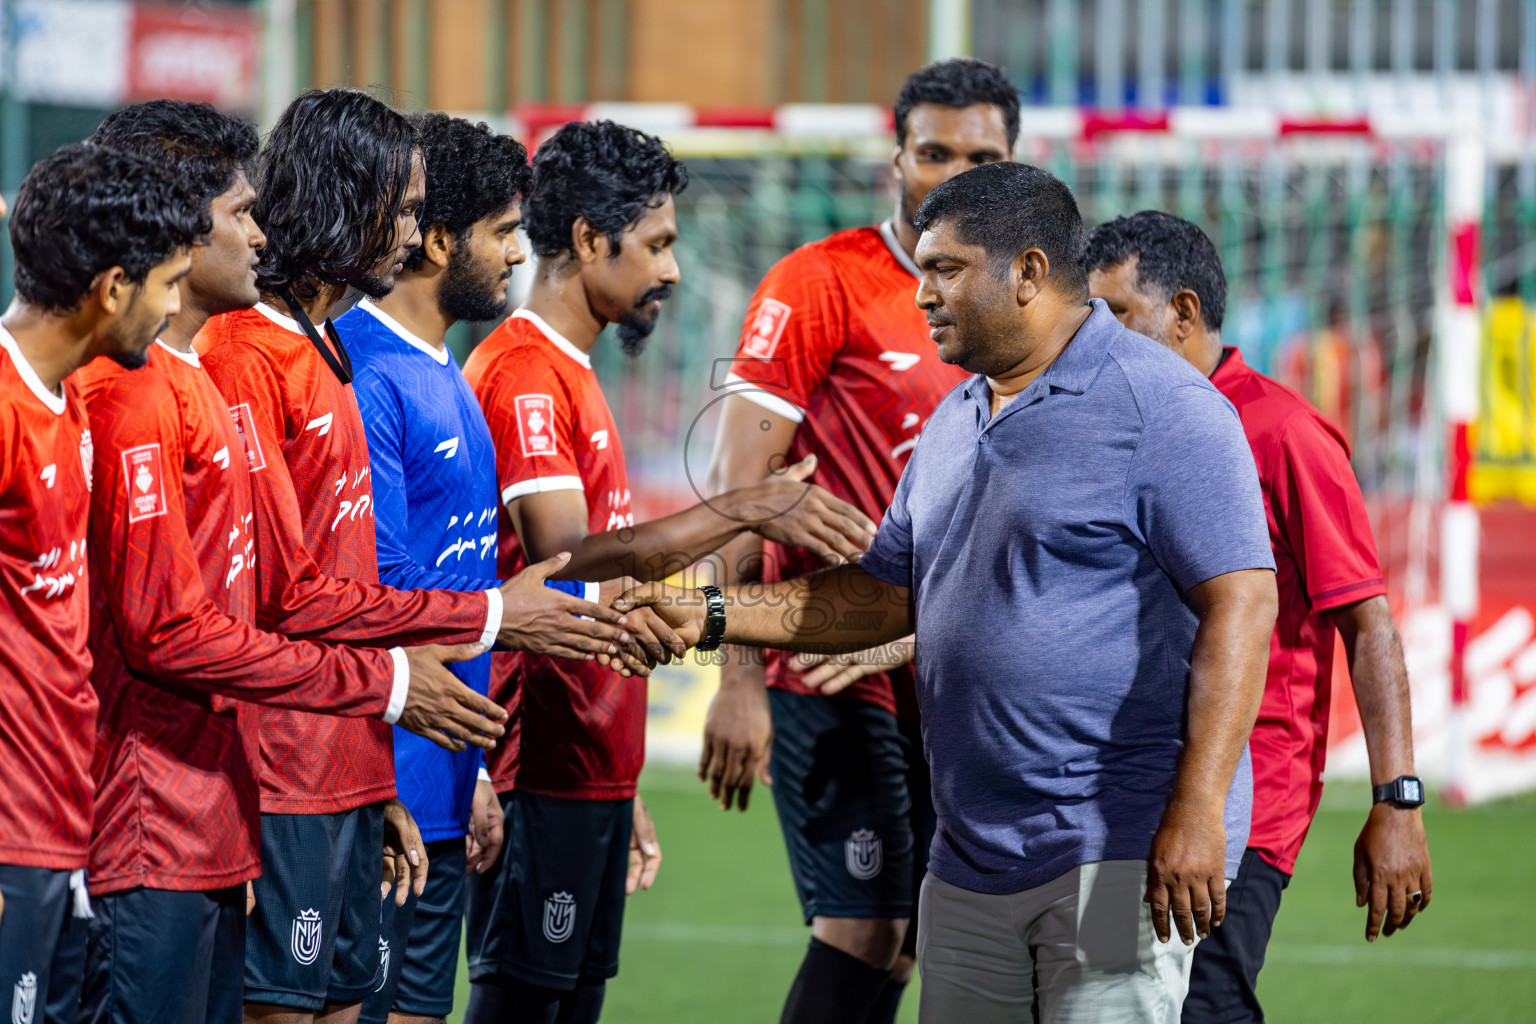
<point x="544" y="926"/>
<point x="102" y="240"/>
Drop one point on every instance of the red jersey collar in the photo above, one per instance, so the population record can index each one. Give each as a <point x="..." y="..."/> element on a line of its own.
<point x="1231" y="369"/>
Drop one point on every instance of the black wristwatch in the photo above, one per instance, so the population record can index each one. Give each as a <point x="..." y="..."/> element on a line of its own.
<point x="714" y="619"/>
<point x="1405" y="791"/>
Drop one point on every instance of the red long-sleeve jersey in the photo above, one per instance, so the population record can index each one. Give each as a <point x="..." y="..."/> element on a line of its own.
<point x="173" y="635"/>
<point x="47" y="706"/>
<point x="318" y="578"/>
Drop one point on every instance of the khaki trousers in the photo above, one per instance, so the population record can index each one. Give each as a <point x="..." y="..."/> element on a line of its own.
<point x="1077" y="950"/>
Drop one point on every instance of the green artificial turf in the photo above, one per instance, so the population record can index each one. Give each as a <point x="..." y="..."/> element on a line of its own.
<point x="719" y="937"/>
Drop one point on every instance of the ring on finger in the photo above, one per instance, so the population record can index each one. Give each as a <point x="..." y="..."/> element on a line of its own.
<point x="1416" y="897"/>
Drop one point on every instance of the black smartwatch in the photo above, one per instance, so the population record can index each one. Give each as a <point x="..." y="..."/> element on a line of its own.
<point x="714" y="619"/>
<point x="1405" y="791"/>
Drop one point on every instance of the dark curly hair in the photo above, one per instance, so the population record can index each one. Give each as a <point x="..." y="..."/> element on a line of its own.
<point x="1007" y="208"/>
<point x="87" y="209"/>
<point x="602" y="171"/>
<point x="204" y="145"/>
<point x="1171" y="254"/>
<point x="961" y="82"/>
<point x="471" y="173"/>
<point x="330" y="184"/>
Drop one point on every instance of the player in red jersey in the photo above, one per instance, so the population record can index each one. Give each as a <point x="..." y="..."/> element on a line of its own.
<point x="543" y="927"/>
<point x="835" y="361"/>
<point x="173" y="589"/>
<point x="101" y="240"/>
<point x="1162" y="277"/>
<point x="339" y="183"/>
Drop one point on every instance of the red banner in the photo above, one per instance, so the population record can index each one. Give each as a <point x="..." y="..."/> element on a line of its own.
<point x="189" y="53"/>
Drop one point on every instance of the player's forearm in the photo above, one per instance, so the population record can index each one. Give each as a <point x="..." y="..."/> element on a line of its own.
<point x="205" y="649"/>
<point x="373" y="615"/>
<point x="647" y="551"/>
<point x="402" y="573"/>
<point x="1226" y="685"/>
<point x="831" y="611"/>
<point x="1380" y="678"/>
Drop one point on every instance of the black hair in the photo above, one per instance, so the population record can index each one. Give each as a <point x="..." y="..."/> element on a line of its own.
<point x="1171" y="254"/>
<point x="1007" y="208"/>
<point x="471" y="173"/>
<point x="204" y="145"/>
<point x="961" y="82"/>
<point x="87" y="209"/>
<point x="330" y="184"/>
<point x="602" y="171"/>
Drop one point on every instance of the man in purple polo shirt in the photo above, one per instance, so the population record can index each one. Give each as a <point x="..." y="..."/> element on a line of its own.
<point x="1080" y="543"/>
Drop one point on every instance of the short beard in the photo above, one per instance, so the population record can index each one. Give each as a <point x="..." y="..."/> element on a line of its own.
<point x="131" y="360"/>
<point x="908" y="209"/>
<point x="373" y="285"/>
<point x="466" y="295"/>
<point x="635" y="327"/>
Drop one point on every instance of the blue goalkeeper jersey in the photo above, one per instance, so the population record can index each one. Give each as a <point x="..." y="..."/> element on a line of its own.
<point x="435" y="505"/>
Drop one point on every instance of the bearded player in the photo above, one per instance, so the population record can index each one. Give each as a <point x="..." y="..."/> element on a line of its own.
<point x="173" y="588"/>
<point x="101" y="241"/>
<point x="338" y="187"/>
<point x="544" y="926"/>
<point x="835" y="362"/>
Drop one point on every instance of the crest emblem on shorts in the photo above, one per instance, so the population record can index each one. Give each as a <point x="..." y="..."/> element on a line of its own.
<point x="383" y="963"/>
<point x="864" y="854"/>
<point x="559" y="917"/>
<point x="24" y="999"/>
<point x="306" y="936"/>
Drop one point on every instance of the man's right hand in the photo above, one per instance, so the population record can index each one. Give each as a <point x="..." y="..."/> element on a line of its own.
<point x="738" y="735"/>
<point x="541" y="620"/>
<point x="441" y="708"/>
<point x="405" y="855"/>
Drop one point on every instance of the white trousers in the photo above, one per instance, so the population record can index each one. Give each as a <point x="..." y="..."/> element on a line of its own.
<point x="1077" y="950"/>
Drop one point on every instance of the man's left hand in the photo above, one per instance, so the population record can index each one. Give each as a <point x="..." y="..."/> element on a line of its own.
<point x="1391" y="867"/>
<point x="830" y="674"/>
<point x="482" y="843"/>
<point x="1186" y="873"/>
<point x="644" y="851"/>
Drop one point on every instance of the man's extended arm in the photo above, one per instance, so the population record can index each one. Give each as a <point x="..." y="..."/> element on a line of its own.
<point x="808" y="614"/>
<point x="1186" y="869"/>
<point x="1392" y="853"/>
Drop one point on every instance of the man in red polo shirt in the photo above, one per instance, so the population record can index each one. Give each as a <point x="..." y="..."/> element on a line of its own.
<point x="1162" y="277"/>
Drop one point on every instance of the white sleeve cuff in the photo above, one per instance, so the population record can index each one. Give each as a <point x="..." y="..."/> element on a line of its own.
<point x="593" y="592"/>
<point x="539" y="485"/>
<point x="758" y="396"/>
<point x="401" y="688"/>
<point x="483" y="775"/>
<point x="493" y="608"/>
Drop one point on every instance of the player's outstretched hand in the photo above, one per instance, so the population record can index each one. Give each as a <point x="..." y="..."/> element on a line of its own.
<point x="653" y="641"/>
<point x="482" y="843"/>
<point x="679" y="609"/>
<point x="644" y="851"/>
<point x="544" y="621"/>
<point x="442" y="708"/>
<point x="405" y="855"/>
<point x="828" y="674"/>
<point x="1186" y="872"/>
<point x="1392" y="869"/>
<point x="783" y="507"/>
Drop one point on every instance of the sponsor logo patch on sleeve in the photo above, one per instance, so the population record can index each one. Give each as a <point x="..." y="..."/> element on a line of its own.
<point x="253" y="455"/>
<point x="535" y="424"/>
<point x="766" y="328"/>
<point x="145" y="482"/>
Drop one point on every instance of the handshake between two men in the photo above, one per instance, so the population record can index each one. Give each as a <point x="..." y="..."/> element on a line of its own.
<point x="636" y="622"/>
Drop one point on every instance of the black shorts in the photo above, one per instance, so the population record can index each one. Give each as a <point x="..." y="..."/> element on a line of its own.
<point x="41" y="944"/>
<point x="1226" y="966"/>
<point x="162" y="955"/>
<point x="550" y="912"/>
<point x="419" y="942"/>
<point x="314" y="936"/>
<point x="855" y="805"/>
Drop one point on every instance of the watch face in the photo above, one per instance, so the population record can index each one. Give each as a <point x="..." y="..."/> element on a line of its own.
<point x="1413" y="792"/>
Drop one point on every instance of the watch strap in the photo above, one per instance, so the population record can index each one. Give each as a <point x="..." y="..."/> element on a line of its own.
<point x="1406" y="790"/>
<point x="714" y="619"/>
